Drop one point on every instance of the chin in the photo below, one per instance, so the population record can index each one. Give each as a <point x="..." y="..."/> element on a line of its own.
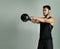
<point x="45" y="15"/>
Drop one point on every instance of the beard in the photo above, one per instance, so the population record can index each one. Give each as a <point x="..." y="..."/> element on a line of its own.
<point x="46" y="15"/>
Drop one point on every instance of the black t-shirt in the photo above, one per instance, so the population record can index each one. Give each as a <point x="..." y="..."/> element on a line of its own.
<point x="45" y="30"/>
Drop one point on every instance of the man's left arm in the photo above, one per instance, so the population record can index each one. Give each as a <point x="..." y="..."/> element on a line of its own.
<point x="37" y="20"/>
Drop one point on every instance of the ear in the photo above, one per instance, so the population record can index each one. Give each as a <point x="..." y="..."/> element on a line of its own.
<point x="49" y="10"/>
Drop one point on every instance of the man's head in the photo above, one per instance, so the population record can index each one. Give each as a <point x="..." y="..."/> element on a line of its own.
<point x="46" y="10"/>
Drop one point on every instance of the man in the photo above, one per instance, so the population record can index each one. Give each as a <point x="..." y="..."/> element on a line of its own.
<point x="46" y="25"/>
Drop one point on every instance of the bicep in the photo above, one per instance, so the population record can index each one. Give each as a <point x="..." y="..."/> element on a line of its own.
<point x="41" y="20"/>
<point x="51" y="20"/>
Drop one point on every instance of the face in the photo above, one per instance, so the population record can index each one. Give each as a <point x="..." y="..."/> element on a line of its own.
<point x="46" y="11"/>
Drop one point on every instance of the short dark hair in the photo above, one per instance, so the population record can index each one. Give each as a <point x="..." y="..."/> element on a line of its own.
<point x="47" y="6"/>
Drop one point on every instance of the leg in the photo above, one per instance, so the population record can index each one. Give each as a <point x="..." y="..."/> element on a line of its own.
<point x="49" y="44"/>
<point x="40" y="44"/>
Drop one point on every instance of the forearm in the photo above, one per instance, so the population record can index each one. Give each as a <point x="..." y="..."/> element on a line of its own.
<point x="37" y="19"/>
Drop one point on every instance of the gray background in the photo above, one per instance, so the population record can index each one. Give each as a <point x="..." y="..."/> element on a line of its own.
<point x="15" y="34"/>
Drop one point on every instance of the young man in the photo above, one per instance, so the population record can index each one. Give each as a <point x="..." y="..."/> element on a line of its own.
<point x="46" y="25"/>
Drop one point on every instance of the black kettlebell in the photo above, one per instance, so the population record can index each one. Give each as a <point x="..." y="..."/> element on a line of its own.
<point x="25" y="17"/>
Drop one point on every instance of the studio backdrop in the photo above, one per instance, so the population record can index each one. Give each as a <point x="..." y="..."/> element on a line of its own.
<point x="15" y="34"/>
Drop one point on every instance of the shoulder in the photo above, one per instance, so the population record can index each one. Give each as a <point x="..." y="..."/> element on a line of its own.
<point x="53" y="19"/>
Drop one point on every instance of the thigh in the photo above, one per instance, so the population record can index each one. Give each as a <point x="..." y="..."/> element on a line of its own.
<point x="40" y="44"/>
<point x="49" y="44"/>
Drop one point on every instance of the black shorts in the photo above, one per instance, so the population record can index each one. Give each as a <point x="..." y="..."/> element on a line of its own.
<point x="45" y="44"/>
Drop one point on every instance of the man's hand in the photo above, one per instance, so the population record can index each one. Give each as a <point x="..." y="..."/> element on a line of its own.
<point x="34" y="20"/>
